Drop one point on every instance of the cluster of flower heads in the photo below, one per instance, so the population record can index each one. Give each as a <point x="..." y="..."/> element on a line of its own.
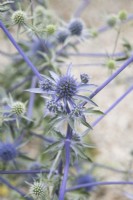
<point x="74" y="28"/>
<point x="114" y="19"/>
<point x="63" y="92"/>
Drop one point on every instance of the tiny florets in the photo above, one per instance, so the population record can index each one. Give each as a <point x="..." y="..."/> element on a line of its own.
<point x="45" y="85"/>
<point x="39" y="191"/>
<point x="54" y="106"/>
<point x="8" y="152"/>
<point x="50" y="29"/>
<point x="66" y="87"/>
<point x="19" y="17"/>
<point x="76" y="27"/>
<point x="18" y="108"/>
<point x="62" y="35"/>
<point x="84" y="78"/>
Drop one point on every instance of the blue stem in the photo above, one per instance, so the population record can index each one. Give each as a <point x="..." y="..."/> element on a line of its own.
<point x="24" y="171"/>
<point x="27" y="60"/>
<point x="81" y="8"/>
<point x="100" y="183"/>
<point x="112" y="106"/>
<point x="67" y="163"/>
<point x="119" y="54"/>
<point x="130" y="60"/>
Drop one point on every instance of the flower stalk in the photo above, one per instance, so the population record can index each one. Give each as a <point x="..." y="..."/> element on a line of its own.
<point x="99" y="184"/>
<point x="27" y="60"/>
<point x="112" y="106"/>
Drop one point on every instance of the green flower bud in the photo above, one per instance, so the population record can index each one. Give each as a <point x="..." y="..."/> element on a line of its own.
<point x="19" y="17"/>
<point x="50" y="29"/>
<point x="111" y="64"/>
<point x="18" y="108"/>
<point x="39" y="192"/>
<point x="39" y="11"/>
<point x="122" y="15"/>
<point x="94" y="33"/>
<point x="112" y="20"/>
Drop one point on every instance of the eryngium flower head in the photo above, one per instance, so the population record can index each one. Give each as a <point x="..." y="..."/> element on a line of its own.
<point x="64" y="88"/>
<point x="62" y="35"/>
<point x="19" y="17"/>
<point x="84" y="179"/>
<point x="54" y="106"/>
<point x="8" y="152"/>
<point x="38" y="191"/>
<point x="84" y="78"/>
<point x="18" y="108"/>
<point x="76" y="27"/>
<point x="45" y="85"/>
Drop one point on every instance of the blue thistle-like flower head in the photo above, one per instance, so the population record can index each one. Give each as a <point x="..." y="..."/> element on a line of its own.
<point x="8" y="151"/>
<point x="62" y="35"/>
<point x="54" y="106"/>
<point x="64" y="88"/>
<point x="83" y="179"/>
<point x="76" y="27"/>
<point x="45" y="85"/>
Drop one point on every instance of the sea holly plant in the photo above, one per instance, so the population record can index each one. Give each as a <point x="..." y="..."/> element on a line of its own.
<point x="53" y="126"/>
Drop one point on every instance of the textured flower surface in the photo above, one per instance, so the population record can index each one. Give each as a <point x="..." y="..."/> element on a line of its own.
<point x="65" y="88"/>
<point x="76" y="27"/>
<point x="19" y="17"/>
<point x="8" y="151"/>
<point x="54" y="106"/>
<point x="83" y="179"/>
<point x="18" y="108"/>
<point x="62" y="35"/>
<point x="39" y="191"/>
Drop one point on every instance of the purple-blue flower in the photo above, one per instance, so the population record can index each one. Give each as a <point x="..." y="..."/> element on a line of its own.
<point x="76" y="27"/>
<point x="83" y="179"/>
<point x="8" y="151"/>
<point x="65" y="88"/>
<point x="62" y="35"/>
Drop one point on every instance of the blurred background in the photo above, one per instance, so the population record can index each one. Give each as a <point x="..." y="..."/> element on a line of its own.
<point x="113" y="136"/>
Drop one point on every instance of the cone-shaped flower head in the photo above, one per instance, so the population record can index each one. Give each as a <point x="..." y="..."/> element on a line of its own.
<point x="76" y="27"/>
<point x="62" y="35"/>
<point x="64" y="88"/>
<point x="8" y="152"/>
